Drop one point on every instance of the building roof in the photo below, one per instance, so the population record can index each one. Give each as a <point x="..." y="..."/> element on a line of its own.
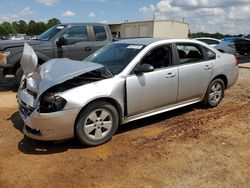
<point x="146" y="21"/>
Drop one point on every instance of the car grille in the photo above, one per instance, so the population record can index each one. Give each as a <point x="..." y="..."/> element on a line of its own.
<point x="26" y="109"/>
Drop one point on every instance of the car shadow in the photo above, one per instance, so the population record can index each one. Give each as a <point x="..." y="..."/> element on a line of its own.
<point x="30" y="146"/>
<point x="17" y="121"/>
<point x="8" y="84"/>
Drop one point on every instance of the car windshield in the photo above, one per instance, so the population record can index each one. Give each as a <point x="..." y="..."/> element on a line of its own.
<point x="116" y="56"/>
<point x="47" y="35"/>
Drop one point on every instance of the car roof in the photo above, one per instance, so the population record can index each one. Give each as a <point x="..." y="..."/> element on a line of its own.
<point x="149" y="41"/>
<point x="141" y="41"/>
<point x="83" y="23"/>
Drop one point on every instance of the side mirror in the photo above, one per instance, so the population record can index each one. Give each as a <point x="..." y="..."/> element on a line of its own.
<point x="144" y="68"/>
<point x="61" y="41"/>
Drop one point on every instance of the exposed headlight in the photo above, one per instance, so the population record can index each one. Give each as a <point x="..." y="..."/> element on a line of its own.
<point x="3" y="57"/>
<point x="51" y="103"/>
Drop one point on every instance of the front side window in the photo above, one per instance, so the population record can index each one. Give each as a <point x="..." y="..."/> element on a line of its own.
<point x="116" y="56"/>
<point x="100" y="34"/>
<point x="189" y="53"/>
<point x="75" y="34"/>
<point x="159" y="57"/>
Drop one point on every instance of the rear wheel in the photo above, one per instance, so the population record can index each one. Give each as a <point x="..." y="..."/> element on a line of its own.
<point x="215" y="93"/>
<point x="97" y="123"/>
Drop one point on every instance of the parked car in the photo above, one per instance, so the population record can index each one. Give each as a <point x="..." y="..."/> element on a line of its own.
<point x="74" y="40"/>
<point x="210" y="41"/>
<point x="247" y="37"/>
<point x="242" y="45"/>
<point x="222" y="46"/>
<point x="124" y="81"/>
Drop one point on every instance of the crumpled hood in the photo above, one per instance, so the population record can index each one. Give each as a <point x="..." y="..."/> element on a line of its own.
<point x="56" y="71"/>
<point x="17" y="43"/>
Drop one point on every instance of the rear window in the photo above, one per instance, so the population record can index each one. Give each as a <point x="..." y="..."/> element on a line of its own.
<point x="229" y="40"/>
<point x="209" y="41"/>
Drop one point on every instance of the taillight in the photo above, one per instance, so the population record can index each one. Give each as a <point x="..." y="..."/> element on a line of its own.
<point x="236" y="60"/>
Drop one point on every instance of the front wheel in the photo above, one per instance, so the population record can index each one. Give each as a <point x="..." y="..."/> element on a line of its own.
<point x="97" y="123"/>
<point x="215" y="93"/>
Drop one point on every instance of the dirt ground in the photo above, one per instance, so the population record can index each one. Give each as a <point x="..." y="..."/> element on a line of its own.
<point x="189" y="147"/>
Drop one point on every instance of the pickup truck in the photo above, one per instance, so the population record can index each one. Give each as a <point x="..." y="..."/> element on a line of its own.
<point x="73" y="40"/>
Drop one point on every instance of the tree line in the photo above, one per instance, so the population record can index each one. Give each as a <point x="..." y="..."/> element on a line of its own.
<point x="36" y="28"/>
<point x="31" y="28"/>
<point x="211" y="35"/>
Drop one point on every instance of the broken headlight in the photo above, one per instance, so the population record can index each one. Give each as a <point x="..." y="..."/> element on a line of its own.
<point x="3" y="57"/>
<point x="51" y="103"/>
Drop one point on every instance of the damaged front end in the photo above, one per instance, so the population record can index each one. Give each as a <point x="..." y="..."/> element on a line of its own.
<point x="50" y="101"/>
<point x="42" y="105"/>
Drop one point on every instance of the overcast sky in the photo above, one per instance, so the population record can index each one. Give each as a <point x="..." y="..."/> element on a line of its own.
<point x="224" y="16"/>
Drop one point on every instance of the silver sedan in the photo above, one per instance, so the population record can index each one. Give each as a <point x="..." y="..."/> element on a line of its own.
<point x="122" y="82"/>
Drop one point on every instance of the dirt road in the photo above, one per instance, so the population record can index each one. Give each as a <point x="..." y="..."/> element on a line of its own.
<point x="189" y="147"/>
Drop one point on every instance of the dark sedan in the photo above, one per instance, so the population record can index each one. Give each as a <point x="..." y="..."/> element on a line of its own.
<point x="242" y="45"/>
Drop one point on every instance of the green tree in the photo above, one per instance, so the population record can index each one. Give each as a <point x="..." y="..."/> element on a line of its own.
<point x="15" y="27"/>
<point x="31" y="28"/>
<point x="40" y="28"/>
<point x="6" y="29"/>
<point x="52" y="22"/>
<point x="22" y="27"/>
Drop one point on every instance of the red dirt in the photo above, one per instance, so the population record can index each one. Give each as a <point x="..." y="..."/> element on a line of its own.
<point x="189" y="147"/>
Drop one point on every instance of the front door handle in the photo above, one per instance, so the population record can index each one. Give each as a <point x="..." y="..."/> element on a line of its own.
<point x="207" y="67"/>
<point x="88" y="49"/>
<point x="170" y="75"/>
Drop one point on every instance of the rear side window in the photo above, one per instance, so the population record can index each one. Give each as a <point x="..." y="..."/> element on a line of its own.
<point x="76" y="34"/>
<point x="189" y="53"/>
<point x="209" y="53"/>
<point x="99" y="32"/>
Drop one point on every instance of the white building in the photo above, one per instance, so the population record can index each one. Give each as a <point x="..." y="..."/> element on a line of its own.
<point x="151" y="28"/>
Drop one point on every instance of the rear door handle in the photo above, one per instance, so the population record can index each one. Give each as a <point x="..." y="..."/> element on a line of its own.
<point x="170" y="75"/>
<point x="88" y="49"/>
<point x="207" y="67"/>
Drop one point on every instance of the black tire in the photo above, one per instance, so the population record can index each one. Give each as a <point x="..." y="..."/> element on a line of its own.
<point x="215" y="93"/>
<point x="18" y="75"/>
<point x="87" y="121"/>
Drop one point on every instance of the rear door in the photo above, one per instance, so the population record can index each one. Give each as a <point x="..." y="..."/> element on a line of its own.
<point x="100" y="36"/>
<point x="152" y="90"/>
<point x="195" y="70"/>
<point x="77" y="43"/>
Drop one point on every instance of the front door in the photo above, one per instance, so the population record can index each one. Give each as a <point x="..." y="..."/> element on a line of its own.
<point x="151" y="90"/>
<point x="77" y="44"/>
